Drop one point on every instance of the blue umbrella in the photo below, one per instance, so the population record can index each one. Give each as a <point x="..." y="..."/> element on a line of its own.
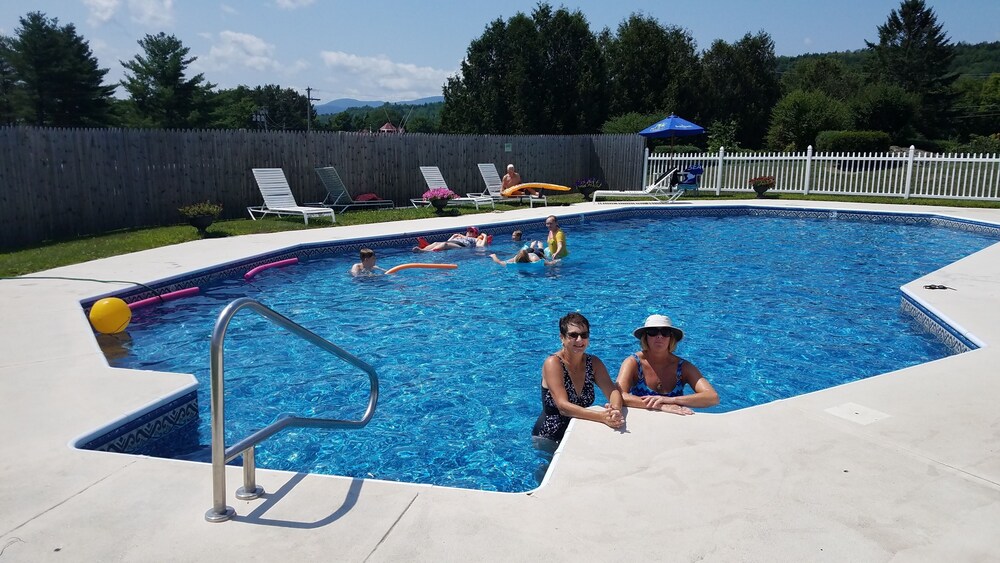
<point x="672" y="126"/>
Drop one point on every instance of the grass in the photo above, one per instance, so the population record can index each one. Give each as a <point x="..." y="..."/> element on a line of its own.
<point x="52" y="255"/>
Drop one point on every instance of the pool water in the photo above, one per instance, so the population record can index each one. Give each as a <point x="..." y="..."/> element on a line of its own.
<point x="771" y="308"/>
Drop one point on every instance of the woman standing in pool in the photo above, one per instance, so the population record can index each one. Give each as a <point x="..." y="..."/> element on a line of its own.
<point x="556" y="239"/>
<point x="654" y="378"/>
<point x="568" y="380"/>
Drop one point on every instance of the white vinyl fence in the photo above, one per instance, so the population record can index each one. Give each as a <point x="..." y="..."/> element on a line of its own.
<point x="902" y="174"/>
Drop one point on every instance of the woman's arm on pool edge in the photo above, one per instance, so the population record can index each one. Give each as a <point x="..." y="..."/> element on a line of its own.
<point x="552" y="376"/>
<point x="704" y="394"/>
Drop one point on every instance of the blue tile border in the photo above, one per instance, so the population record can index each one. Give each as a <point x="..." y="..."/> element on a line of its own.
<point x="153" y="424"/>
<point x="957" y="342"/>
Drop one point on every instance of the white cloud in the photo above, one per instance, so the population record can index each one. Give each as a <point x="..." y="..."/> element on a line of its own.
<point x="292" y="4"/>
<point x="240" y="49"/>
<point x="807" y="41"/>
<point x="152" y="13"/>
<point x="100" y="11"/>
<point x="227" y="9"/>
<point x="381" y="78"/>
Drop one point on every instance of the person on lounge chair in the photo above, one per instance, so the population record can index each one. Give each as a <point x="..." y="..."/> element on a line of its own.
<point x="512" y="178"/>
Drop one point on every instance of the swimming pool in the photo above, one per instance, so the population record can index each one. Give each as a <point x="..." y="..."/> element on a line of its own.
<point x="459" y="352"/>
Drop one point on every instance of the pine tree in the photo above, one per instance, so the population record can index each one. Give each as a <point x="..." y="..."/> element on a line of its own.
<point x="58" y="79"/>
<point x="914" y="52"/>
<point x="160" y="96"/>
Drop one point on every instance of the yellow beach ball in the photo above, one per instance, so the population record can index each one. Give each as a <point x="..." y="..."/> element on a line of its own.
<point x="110" y="315"/>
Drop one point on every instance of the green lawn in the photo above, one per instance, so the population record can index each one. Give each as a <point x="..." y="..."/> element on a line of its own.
<point x="55" y="254"/>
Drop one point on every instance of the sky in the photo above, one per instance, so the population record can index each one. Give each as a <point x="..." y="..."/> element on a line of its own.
<point x="398" y="50"/>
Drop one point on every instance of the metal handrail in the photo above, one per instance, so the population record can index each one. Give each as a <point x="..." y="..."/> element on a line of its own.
<point x="220" y="454"/>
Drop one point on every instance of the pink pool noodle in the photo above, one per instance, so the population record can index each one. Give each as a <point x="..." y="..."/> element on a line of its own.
<point x="165" y="297"/>
<point x="247" y="276"/>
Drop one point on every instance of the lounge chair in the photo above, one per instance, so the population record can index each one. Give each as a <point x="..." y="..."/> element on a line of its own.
<point x="494" y="184"/>
<point x="658" y="191"/>
<point x="337" y="196"/>
<point x="434" y="179"/>
<point x="278" y="198"/>
<point x="690" y="183"/>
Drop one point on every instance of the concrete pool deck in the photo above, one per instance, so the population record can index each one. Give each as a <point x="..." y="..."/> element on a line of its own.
<point x="903" y="466"/>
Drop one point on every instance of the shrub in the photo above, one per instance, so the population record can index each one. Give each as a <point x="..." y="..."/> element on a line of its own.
<point x="676" y="149"/>
<point x="852" y="141"/>
<point x="798" y="117"/>
<point x="203" y="209"/>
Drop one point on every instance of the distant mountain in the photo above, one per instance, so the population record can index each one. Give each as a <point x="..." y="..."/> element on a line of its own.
<point x="337" y="106"/>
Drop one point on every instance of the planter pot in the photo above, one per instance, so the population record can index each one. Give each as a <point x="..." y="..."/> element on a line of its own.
<point x="201" y="222"/>
<point x="587" y="192"/>
<point x="439" y="204"/>
<point x="761" y="189"/>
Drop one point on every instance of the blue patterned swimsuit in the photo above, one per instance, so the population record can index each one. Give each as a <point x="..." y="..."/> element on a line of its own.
<point x="640" y="389"/>
<point x="551" y="423"/>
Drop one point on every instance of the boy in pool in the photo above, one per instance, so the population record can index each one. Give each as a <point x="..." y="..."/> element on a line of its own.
<point x="367" y="265"/>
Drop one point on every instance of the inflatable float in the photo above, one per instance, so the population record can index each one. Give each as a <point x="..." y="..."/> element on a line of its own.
<point x="395" y="269"/>
<point x="519" y="189"/>
<point x="286" y="262"/>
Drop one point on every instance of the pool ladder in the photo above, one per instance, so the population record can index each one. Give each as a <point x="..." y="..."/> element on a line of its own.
<point x="220" y="453"/>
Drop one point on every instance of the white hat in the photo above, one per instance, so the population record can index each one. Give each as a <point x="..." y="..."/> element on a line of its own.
<point x="658" y="321"/>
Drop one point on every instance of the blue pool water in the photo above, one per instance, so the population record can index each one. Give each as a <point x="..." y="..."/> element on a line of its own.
<point x="771" y="307"/>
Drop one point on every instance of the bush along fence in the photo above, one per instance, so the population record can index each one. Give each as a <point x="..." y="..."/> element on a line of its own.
<point x="61" y="183"/>
<point x="904" y="173"/>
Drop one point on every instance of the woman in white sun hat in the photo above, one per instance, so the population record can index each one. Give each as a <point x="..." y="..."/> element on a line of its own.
<point x="654" y="378"/>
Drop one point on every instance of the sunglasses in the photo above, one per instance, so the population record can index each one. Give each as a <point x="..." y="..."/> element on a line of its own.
<point x="575" y="335"/>
<point x="667" y="332"/>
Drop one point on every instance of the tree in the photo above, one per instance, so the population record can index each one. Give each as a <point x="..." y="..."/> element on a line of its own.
<point x="58" y="82"/>
<point x="159" y="94"/>
<point x="8" y="83"/>
<point x="740" y="83"/>
<point x="800" y="116"/>
<point x="630" y="123"/>
<point x="543" y="74"/>
<point x="825" y="74"/>
<point x="914" y="52"/>
<point x="886" y="107"/>
<point x="651" y="68"/>
<point x="264" y="107"/>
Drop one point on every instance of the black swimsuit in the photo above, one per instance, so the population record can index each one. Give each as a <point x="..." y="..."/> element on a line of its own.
<point x="551" y="423"/>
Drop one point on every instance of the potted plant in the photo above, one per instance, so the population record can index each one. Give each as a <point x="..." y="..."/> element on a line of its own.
<point x="438" y="197"/>
<point x="201" y="215"/>
<point x="761" y="184"/>
<point x="588" y="186"/>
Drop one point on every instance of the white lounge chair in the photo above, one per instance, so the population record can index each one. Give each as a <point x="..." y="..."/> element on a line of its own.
<point x="434" y="179"/>
<point x="659" y="190"/>
<point x="278" y="198"/>
<point x="494" y="185"/>
<point x="337" y="196"/>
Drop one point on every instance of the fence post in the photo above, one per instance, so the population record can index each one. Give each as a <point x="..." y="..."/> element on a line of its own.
<point x="718" y="175"/>
<point x="809" y="162"/>
<point x="909" y="172"/>
<point x="645" y="168"/>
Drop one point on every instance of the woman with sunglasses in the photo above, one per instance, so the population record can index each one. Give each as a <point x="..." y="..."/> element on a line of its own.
<point x="654" y="378"/>
<point x="568" y="380"/>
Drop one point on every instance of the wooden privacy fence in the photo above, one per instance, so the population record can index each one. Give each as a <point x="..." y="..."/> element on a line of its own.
<point x="898" y="174"/>
<point x="61" y="183"/>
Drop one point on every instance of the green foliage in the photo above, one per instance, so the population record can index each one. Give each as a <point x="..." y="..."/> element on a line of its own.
<point x="914" y="52"/>
<point x="52" y="76"/>
<point x="423" y="118"/>
<point x="722" y="134"/>
<point x="270" y="107"/>
<point x="852" y="141"/>
<point x="159" y="94"/>
<point x="651" y="67"/>
<point x="886" y="107"/>
<point x="800" y="116"/>
<point x="741" y="84"/>
<point x="676" y="149"/>
<point x="984" y="144"/>
<point x="205" y="208"/>
<point x="630" y="123"/>
<point x="980" y="59"/>
<point x="539" y="75"/>
<point x="828" y="75"/>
